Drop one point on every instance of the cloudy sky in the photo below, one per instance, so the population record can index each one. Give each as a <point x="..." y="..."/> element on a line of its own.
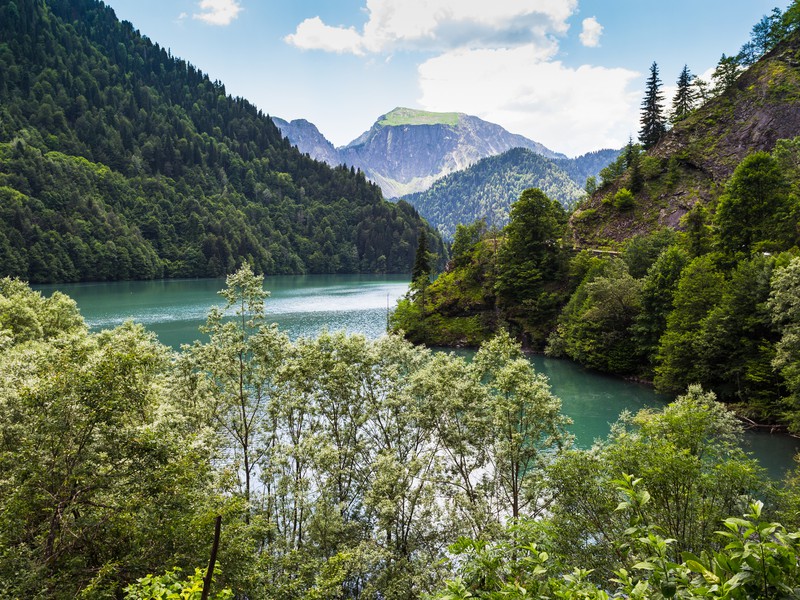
<point x="567" y="73"/>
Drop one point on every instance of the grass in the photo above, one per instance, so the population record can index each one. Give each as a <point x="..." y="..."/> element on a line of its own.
<point x="410" y="116"/>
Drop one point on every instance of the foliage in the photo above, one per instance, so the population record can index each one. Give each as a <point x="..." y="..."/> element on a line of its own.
<point x="725" y="74"/>
<point x="422" y="259"/>
<point x="764" y="36"/>
<point x="170" y="586"/>
<point x="756" y="211"/>
<point x="614" y="534"/>
<point x="658" y="290"/>
<point x="697" y="292"/>
<point x="784" y="309"/>
<point x="594" y="327"/>
<point x="652" y="117"/>
<point x="525" y="425"/>
<point x="623" y="200"/>
<point x="120" y="161"/>
<point x="684" y="100"/>
<point x="642" y="251"/>
<point x="103" y="480"/>
<point x="531" y="262"/>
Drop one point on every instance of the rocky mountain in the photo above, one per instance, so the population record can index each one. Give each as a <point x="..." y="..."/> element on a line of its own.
<point x="309" y="140"/>
<point x="406" y="150"/>
<point x="692" y="162"/>
<point x="487" y="189"/>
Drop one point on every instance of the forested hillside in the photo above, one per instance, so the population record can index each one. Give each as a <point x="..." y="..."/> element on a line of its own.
<point x="119" y="161"/>
<point x="713" y="301"/>
<point x="487" y="189"/>
<point x="748" y="110"/>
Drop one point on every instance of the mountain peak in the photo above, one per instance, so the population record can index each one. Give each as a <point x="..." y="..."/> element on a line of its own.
<point x="411" y="116"/>
<point x="407" y="149"/>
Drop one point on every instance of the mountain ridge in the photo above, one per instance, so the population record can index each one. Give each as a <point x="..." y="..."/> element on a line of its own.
<point x="120" y="161"/>
<point x="406" y="150"/>
<point x="487" y="189"/>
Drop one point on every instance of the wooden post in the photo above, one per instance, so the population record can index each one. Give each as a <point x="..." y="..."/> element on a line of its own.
<point x="212" y="562"/>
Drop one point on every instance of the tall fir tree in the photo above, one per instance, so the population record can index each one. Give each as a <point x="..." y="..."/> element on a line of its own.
<point x="684" y="99"/>
<point x="653" y="123"/>
<point x="422" y="259"/>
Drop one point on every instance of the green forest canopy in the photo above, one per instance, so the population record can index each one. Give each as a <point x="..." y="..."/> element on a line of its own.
<point x="120" y="161"/>
<point x="346" y="468"/>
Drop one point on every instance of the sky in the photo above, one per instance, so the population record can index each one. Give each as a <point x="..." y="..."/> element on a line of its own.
<point x="567" y="73"/>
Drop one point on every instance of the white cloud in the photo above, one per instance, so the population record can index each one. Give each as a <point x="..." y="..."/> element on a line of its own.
<point x="569" y="110"/>
<point x="218" y="12"/>
<point x="440" y="25"/>
<point x="590" y="35"/>
<point x="497" y="60"/>
<point x="313" y="34"/>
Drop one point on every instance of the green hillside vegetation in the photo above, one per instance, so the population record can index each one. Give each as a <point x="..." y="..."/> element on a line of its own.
<point x="119" y="161"/>
<point x="514" y="278"/>
<point x="345" y="468"/>
<point x="688" y="168"/>
<point x="410" y="116"/>
<point x="710" y="305"/>
<point x="487" y="189"/>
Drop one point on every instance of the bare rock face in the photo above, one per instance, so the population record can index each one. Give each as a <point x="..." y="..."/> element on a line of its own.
<point x="309" y="140"/>
<point x="694" y="160"/>
<point x="406" y="150"/>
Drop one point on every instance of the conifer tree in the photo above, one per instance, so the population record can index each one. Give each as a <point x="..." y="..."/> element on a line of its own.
<point x="684" y="99"/>
<point x="724" y="76"/>
<point x="422" y="260"/>
<point x="652" y="120"/>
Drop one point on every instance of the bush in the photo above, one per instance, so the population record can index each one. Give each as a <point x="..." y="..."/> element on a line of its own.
<point x="623" y="199"/>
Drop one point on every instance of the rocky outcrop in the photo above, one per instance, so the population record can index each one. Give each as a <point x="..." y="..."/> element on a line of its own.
<point x="694" y="160"/>
<point x="309" y="140"/>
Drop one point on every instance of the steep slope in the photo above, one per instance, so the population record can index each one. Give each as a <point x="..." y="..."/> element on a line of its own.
<point x="309" y="140"/>
<point x="119" y="161"/>
<point x="489" y="187"/>
<point x="406" y="150"/>
<point x="691" y="163"/>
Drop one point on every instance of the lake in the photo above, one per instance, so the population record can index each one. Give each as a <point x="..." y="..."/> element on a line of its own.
<point x="305" y="305"/>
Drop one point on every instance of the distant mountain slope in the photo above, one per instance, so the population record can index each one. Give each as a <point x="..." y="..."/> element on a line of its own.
<point x="587" y="165"/>
<point x="692" y="162"/>
<point x="489" y="187"/>
<point x="406" y="150"/>
<point x="309" y="140"/>
<point x="119" y="161"/>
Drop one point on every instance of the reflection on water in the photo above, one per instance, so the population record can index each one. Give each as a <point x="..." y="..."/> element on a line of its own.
<point x="300" y="305"/>
<point x="305" y="305"/>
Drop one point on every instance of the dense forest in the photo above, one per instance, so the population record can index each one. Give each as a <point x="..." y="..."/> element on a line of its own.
<point x="120" y="161"/>
<point x="489" y="187"/>
<point x="349" y="468"/>
<point x="712" y="302"/>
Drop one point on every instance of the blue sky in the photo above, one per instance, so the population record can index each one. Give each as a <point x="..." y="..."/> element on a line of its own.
<point x="567" y="73"/>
